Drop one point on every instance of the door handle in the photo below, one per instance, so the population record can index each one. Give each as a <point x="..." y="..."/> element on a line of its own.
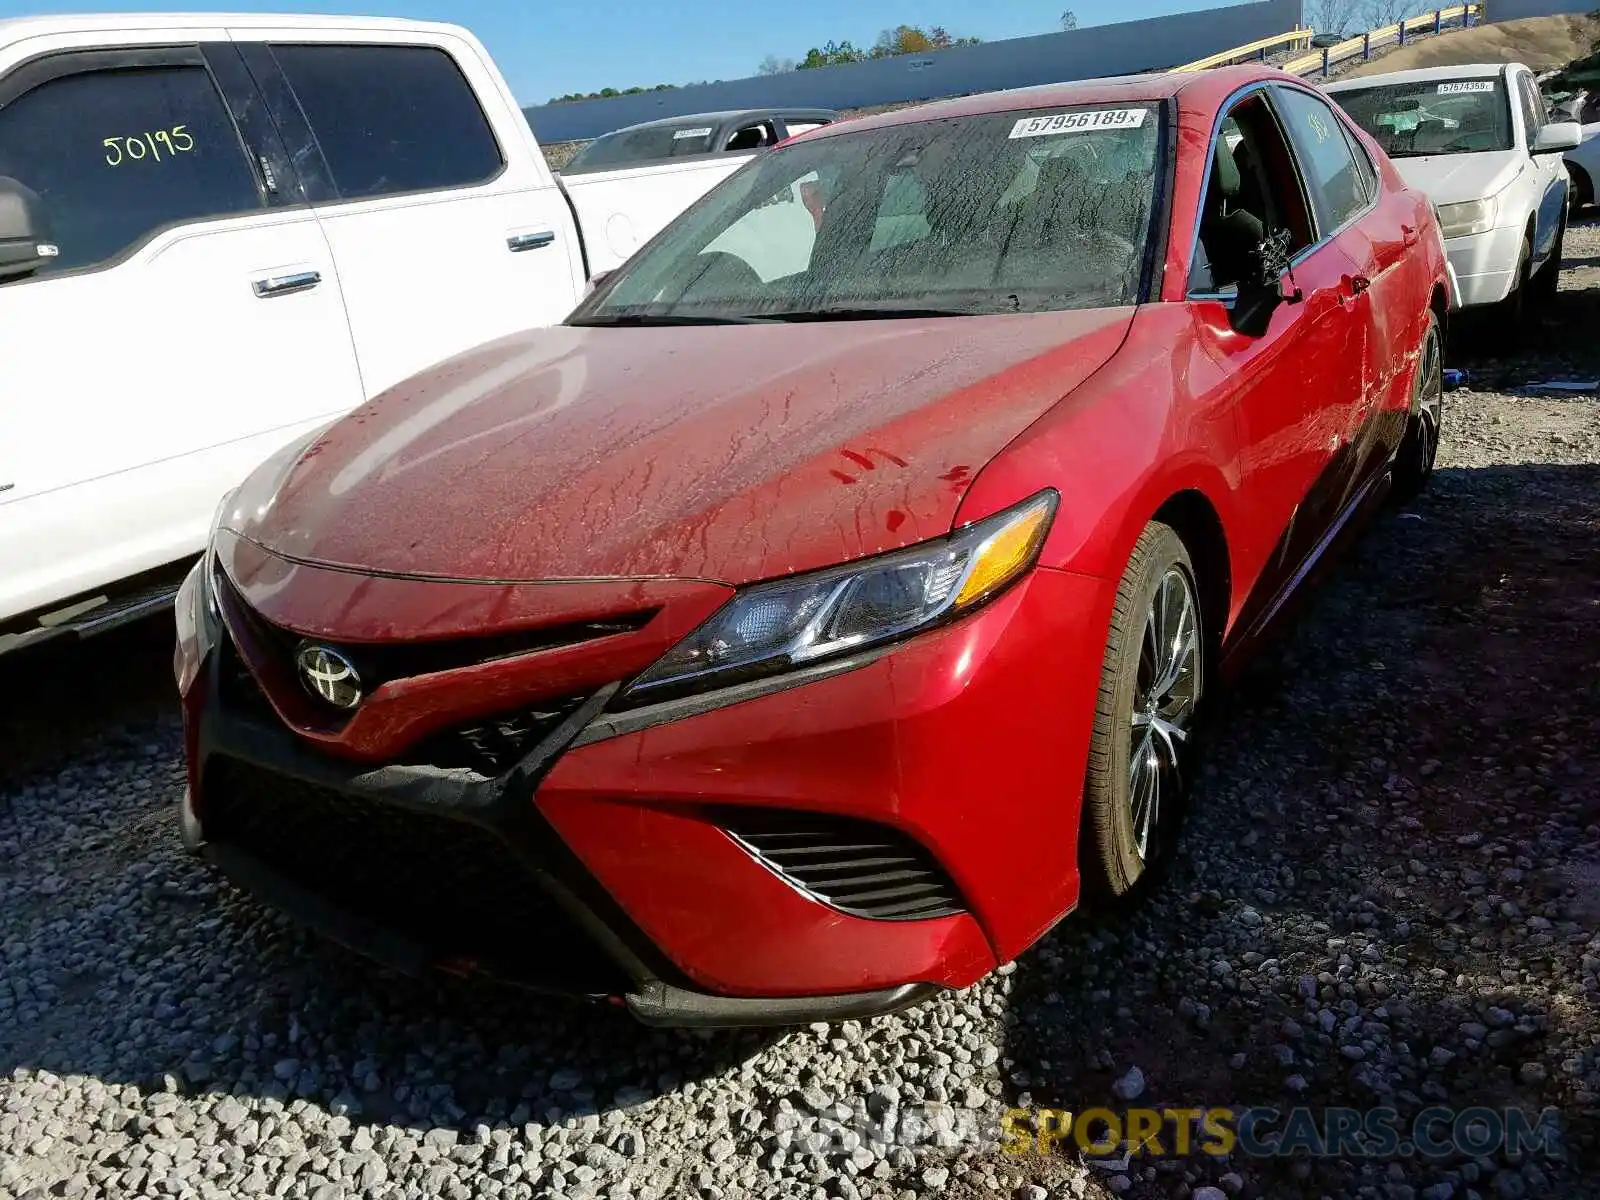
<point x="286" y="285"/>
<point x="1408" y="235"/>
<point x="518" y="242"/>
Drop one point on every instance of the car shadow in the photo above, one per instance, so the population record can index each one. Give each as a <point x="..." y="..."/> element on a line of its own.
<point x="1455" y="693"/>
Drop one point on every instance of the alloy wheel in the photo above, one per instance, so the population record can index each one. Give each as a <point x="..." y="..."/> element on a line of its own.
<point x="1430" y="403"/>
<point x="1164" y="702"/>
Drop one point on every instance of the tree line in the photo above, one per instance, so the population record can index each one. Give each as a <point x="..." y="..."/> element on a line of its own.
<point x="902" y="39"/>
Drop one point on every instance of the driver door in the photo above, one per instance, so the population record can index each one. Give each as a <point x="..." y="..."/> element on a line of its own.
<point x="1285" y="381"/>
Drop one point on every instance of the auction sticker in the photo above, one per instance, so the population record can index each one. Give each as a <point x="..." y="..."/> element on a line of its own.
<point x="1079" y="122"/>
<point x="689" y="133"/>
<point x="1466" y="86"/>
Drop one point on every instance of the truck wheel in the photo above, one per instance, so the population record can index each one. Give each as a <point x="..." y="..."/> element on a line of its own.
<point x="1151" y="684"/>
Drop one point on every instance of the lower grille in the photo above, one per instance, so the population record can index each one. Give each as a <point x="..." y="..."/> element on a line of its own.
<point x="457" y="888"/>
<point x="858" y="867"/>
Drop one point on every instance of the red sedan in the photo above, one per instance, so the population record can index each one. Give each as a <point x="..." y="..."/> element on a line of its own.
<point x="812" y="617"/>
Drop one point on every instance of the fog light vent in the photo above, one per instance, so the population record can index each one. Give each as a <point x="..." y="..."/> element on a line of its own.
<point x="858" y="867"/>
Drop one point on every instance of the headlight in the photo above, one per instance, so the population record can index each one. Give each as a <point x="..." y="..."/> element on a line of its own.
<point x="209" y="562"/>
<point x="1474" y="216"/>
<point x="772" y="627"/>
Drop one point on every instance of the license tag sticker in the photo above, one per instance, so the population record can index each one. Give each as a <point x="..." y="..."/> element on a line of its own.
<point x="1079" y="122"/>
<point x="689" y="133"/>
<point x="1466" y="86"/>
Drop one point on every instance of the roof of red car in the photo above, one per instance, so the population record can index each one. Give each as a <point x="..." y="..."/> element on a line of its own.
<point x="1204" y="86"/>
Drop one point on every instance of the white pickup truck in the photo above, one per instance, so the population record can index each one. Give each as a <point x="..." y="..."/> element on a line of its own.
<point x="219" y="232"/>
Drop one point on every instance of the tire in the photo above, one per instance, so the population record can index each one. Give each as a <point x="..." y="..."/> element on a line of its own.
<point x="1511" y="314"/>
<point x="1414" y="463"/>
<point x="1548" y="278"/>
<point x="1143" y="724"/>
<point x="1581" y="194"/>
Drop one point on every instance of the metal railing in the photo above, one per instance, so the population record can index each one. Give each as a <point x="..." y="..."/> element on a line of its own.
<point x="1296" y="39"/>
<point x="1363" y="43"/>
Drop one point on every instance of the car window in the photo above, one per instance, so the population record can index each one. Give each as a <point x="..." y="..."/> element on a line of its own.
<point x="1532" y="109"/>
<point x="1432" y="116"/>
<point x="391" y="119"/>
<point x="1366" y="172"/>
<point x="1002" y="212"/>
<point x="751" y="137"/>
<point x="1337" y="190"/>
<point x="628" y="146"/>
<point x="117" y="154"/>
<point x="1253" y="191"/>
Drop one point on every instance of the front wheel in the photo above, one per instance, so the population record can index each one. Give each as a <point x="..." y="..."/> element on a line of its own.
<point x="1151" y="684"/>
<point x="1548" y="278"/>
<point x="1414" y="464"/>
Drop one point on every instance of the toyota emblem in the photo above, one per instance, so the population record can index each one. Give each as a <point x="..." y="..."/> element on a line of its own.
<point x="329" y="676"/>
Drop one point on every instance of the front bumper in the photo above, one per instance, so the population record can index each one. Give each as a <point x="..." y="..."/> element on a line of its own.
<point x="1485" y="264"/>
<point x="602" y="864"/>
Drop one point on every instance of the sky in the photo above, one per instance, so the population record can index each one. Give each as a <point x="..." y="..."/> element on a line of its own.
<point x="558" y="46"/>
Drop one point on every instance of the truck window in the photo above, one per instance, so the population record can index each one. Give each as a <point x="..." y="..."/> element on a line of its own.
<point x="391" y="119"/>
<point x="118" y="154"/>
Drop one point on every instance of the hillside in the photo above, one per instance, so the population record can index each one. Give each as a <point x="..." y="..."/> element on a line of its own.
<point x="1541" y="42"/>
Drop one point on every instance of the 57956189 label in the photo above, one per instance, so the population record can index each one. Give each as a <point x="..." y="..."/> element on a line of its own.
<point x="1079" y="122"/>
<point x="160" y="145"/>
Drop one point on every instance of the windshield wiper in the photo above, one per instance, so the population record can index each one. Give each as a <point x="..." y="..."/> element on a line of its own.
<point x="651" y="319"/>
<point x="844" y="313"/>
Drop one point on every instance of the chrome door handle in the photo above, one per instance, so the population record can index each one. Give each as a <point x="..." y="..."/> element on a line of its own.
<point x="519" y="242"/>
<point x="286" y="285"/>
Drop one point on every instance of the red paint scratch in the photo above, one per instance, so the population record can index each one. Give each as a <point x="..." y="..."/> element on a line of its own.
<point x="896" y="519"/>
<point x="842" y="477"/>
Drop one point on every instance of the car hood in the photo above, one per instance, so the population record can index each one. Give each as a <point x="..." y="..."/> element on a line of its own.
<point x="728" y="452"/>
<point x="1454" y="178"/>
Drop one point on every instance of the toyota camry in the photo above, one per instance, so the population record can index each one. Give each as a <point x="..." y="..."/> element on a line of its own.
<point x="820" y="612"/>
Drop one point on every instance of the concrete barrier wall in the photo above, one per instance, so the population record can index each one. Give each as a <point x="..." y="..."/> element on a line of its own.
<point x="1122" y="48"/>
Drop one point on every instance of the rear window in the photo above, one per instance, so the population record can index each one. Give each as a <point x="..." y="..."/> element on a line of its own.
<point x="1005" y="212"/>
<point x="391" y="119"/>
<point x="643" y="145"/>
<point x="1435" y="116"/>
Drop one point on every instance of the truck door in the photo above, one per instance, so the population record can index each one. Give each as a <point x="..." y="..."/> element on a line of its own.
<point x="446" y="224"/>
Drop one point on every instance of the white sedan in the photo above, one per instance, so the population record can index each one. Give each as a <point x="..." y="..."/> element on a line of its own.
<point x="1478" y="140"/>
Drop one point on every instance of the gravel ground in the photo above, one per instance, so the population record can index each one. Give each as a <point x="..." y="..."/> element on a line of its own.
<point x="1389" y="895"/>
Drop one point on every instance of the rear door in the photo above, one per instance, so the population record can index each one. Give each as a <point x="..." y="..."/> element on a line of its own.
<point x="191" y="324"/>
<point x="447" y="227"/>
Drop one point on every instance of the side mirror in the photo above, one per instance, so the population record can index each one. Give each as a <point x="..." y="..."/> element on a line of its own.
<point x="1558" y="136"/>
<point x="1270" y="285"/>
<point x="25" y="240"/>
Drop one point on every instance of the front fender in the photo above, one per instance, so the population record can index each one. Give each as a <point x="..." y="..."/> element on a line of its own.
<point x="1120" y="446"/>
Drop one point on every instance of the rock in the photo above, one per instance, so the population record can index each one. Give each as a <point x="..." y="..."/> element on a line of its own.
<point x="1130" y="1086"/>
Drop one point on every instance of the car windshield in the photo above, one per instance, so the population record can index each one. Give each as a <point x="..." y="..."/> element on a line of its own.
<point x="1435" y="116"/>
<point x="643" y="145"/>
<point x="1004" y="212"/>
